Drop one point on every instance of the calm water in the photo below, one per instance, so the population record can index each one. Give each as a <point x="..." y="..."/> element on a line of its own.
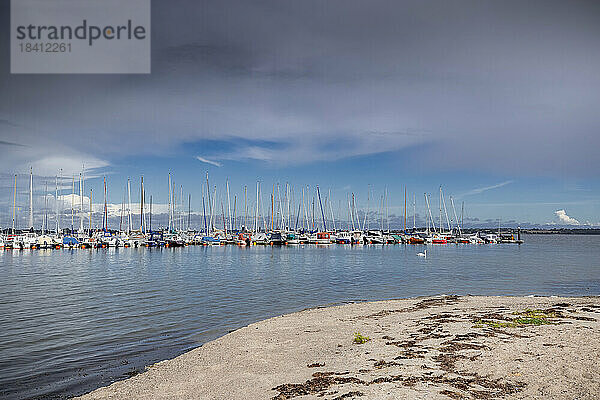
<point x="71" y="321"/>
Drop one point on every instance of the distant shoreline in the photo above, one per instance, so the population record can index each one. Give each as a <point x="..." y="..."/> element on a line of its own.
<point x="582" y="231"/>
<point x="437" y="347"/>
<point x="537" y="231"/>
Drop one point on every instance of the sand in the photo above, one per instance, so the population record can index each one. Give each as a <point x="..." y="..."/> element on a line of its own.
<point x="426" y="348"/>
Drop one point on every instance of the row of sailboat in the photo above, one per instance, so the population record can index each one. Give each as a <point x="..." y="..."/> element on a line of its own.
<point x="283" y="224"/>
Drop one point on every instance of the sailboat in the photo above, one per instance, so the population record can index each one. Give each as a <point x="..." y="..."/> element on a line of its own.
<point x="44" y="241"/>
<point x="70" y="240"/>
<point x="212" y="236"/>
<point x="324" y="236"/>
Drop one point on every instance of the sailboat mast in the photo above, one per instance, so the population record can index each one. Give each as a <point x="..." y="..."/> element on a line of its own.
<point x="440" y="209"/>
<point x="45" y="224"/>
<point x="228" y="205"/>
<point x="105" y="219"/>
<point x="234" y="223"/>
<point x="170" y="197"/>
<point x="15" y="205"/>
<point x="297" y="217"/>
<point x="31" y="197"/>
<point x="366" y="221"/>
<point x="280" y="210"/>
<point x="150" y="224"/>
<point x="262" y="211"/>
<point x="455" y="217"/>
<point x="81" y="202"/>
<point x="446" y="213"/>
<point x="179" y="210"/>
<point x="313" y="212"/>
<point x="321" y="206"/>
<point x="405" y="208"/>
<point x="122" y="212"/>
<point x="224" y="220"/>
<point x="142" y="205"/>
<point x="245" y="207"/>
<point x="382" y="211"/>
<point x="305" y="205"/>
<point x="56" y="205"/>
<point x="287" y="187"/>
<point x="81" y="189"/>
<point x="59" y="205"/>
<point x="414" y="212"/>
<point x="272" y="206"/>
<point x="56" y="202"/>
<point x="384" y="208"/>
<point x="204" y="214"/>
<point x="214" y="208"/>
<point x="256" y="213"/>
<point x="173" y="207"/>
<point x="356" y="208"/>
<point x="189" y="209"/>
<point x="209" y="202"/>
<point x="129" y="222"/>
<point x="387" y="211"/>
<point x="90" y="233"/>
<point x="331" y="209"/>
<point x="429" y="212"/>
<point x="73" y="205"/>
<point x="352" y="211"/>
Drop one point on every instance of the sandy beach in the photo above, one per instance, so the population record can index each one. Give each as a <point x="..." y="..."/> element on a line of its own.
<point x="425" y="348"/>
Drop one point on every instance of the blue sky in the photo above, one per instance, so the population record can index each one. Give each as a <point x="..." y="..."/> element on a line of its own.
<point x="497" y="104"/>
<point x="516" y="199"/>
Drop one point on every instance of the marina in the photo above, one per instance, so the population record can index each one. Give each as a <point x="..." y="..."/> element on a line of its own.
<point x="281" y="225"/>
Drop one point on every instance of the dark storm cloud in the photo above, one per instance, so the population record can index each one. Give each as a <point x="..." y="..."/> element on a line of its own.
<point x="502" y="86"/>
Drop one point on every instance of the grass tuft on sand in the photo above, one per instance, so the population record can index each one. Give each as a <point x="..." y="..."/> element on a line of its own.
<point x="528" y="317"/>
<point x="360" y="339"/>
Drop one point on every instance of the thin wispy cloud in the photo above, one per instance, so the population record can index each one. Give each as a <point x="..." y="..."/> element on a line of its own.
<point x="207" y="161"/>
<point x="484" y="189"/>
<point x="6" y="143"/>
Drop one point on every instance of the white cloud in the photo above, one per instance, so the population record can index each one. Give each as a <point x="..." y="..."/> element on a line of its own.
<point x="565" y="219"/>
<point x="204" y="160"/>
<point x="70" y="165"/>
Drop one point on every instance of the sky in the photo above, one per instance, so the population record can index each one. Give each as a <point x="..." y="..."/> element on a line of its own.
<point x="495" y="101"/>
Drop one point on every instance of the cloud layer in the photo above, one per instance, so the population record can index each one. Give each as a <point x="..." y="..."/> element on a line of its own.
<point x="505" y="86"/>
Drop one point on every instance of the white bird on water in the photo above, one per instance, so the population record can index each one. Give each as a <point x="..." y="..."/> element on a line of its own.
<point x="424" y="254"/>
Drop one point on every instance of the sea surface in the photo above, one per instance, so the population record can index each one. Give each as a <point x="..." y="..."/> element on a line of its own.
<point x="75" y="320"/>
